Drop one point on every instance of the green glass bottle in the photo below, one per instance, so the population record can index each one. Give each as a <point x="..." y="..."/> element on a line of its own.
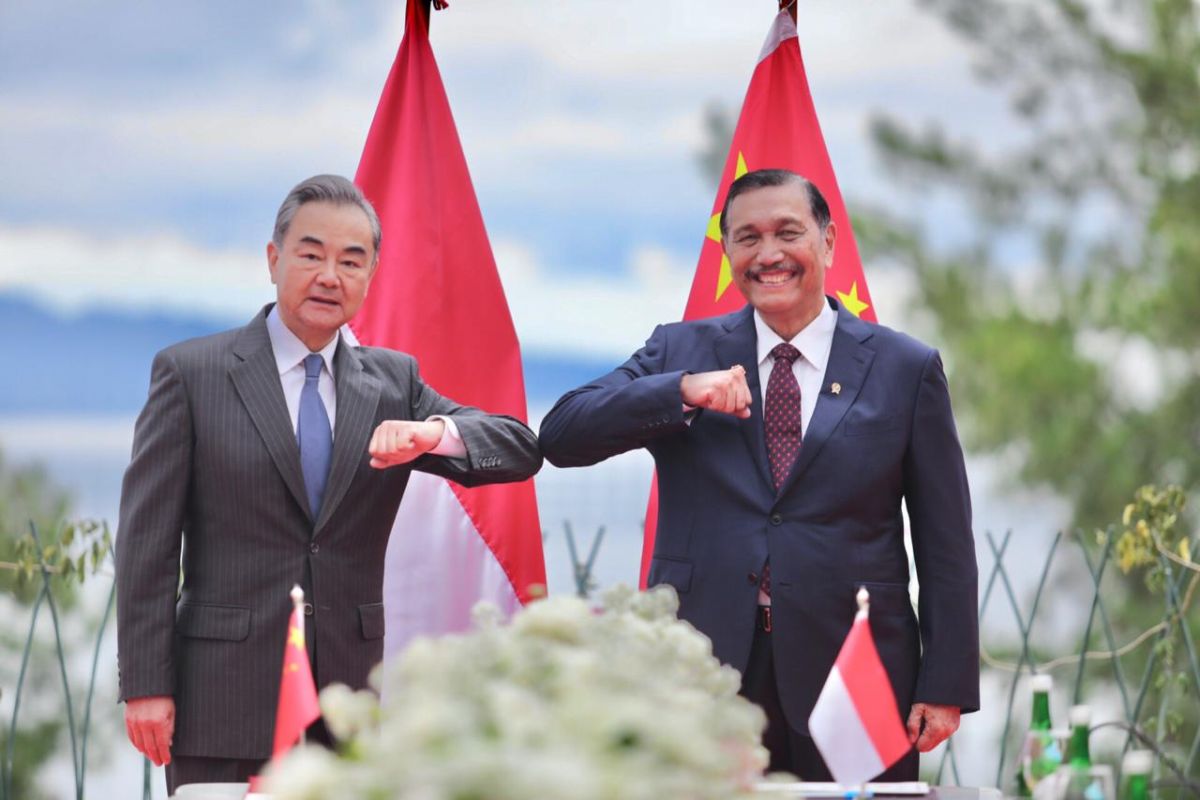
<point x="1136" y="767"/>
<point x="1040" y="755"/>
<point x="1079" y="756"/>
<point x="1083" y="782"/>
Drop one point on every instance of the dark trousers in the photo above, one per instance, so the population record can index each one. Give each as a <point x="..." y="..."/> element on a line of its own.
<point x="199" y="769"/>
<point x="790" y="750"/>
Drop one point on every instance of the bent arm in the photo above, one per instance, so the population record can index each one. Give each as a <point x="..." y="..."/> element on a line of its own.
<point x="499" y="448"/>
<point x="626" y="409"/>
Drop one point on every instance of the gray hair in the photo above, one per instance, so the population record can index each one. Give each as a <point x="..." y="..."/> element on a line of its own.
<point x="325" y="189"/>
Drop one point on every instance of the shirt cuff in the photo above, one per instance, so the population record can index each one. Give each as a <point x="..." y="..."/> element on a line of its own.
<point x="451" y="443"/>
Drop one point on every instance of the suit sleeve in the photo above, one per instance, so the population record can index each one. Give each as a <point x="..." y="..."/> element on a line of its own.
<point x="153" y="504"/>
<point x="500" y="449"/>
<point x="939" y="509"/>
<point x="628" y="408"/>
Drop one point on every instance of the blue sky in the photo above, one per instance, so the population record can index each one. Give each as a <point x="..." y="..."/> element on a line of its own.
<point x="145" y="147"/>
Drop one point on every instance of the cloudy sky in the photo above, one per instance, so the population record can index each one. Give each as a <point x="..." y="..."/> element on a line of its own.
<point x="145" y="147"/>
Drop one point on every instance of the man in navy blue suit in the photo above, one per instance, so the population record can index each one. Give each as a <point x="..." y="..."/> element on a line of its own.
<point x="785" y="436"/>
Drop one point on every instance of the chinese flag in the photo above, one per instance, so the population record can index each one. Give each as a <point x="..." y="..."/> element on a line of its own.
<point x="777" y="129"/>
<point x="437" y="295"/>
<point x="298" y="706"/>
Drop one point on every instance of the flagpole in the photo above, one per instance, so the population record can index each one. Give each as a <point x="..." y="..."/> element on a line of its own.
<point x="791" y="7"/>
<point x="298" y="607"/>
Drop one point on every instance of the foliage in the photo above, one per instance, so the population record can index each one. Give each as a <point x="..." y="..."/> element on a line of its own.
<point x="1068" y="307"/>
<point x="541" y="704"/>
<point x="43" y="560"/>
<point x="26" y="495"/>
<point x="1150" y="524"/>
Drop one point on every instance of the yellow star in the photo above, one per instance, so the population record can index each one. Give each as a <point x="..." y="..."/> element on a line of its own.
<point x="851" y="301"/>
<point x="725" y="276"/>
<point x="296" y="637"/>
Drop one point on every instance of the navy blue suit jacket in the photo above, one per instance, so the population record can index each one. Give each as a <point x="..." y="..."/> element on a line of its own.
<point x="886" y="435"/>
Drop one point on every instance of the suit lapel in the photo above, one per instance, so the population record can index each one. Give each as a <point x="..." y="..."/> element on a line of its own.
<point x="256" y="379"/>
<point x="357" y="398"/>
<point x="849" y="362"/>
<point x="740" y="346"/>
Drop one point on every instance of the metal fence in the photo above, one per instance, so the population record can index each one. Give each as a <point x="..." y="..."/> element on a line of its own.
<point x="1133" y="667"/>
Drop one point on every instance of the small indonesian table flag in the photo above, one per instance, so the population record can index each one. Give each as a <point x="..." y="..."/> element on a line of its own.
<point x="856" y="724"/>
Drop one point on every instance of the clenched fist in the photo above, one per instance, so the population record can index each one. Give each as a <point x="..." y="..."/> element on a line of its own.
<point x="724" y="390"/>
<point x="398" y="441"/>
<point x="929" y="725"/>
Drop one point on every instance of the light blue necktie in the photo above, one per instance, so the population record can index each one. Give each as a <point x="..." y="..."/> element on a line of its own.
<point x="314" y="435"/>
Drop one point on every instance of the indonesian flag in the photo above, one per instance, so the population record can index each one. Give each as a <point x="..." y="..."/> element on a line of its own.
<point x="298" y="707"/>
<point x="777" y="129"/>
<point x="436" y="294"/>
<point x="856" y="723"/>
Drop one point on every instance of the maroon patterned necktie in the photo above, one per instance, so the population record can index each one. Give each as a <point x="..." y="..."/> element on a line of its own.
<point x="781" y="419"/>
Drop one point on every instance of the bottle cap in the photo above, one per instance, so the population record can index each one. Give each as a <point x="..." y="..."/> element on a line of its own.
<point x="1138" y="762"/>
<point x="1080" y="715"/>
<point x="1041" y="683"/>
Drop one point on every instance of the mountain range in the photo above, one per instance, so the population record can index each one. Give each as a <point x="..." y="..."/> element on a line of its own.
<point x="97" y="362"/>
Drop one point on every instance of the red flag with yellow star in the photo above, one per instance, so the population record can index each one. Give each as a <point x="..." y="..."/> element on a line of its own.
<point x="298" y="707"/>
<point x="777" y="129"/>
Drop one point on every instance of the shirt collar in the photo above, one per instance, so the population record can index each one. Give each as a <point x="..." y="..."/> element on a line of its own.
<point x="813" y="342"/>
<point x="289" y="350"/>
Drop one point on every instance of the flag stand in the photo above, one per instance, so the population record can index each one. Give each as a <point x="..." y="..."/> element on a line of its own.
<point x="298" y="608"/>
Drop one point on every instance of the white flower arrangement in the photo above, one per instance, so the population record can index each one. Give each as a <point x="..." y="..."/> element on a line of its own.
<point x="565" y="702"/>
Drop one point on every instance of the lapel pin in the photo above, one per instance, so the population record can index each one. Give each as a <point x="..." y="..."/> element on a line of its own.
<point x="835" y="388"/>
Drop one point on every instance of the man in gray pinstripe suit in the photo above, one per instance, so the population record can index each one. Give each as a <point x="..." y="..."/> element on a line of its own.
<point x="216" y="482"/>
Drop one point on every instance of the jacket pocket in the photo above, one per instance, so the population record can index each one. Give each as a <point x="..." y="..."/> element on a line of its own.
<point x="370" y="616"/>
<point x="888" y="599"/>
<point x="208" y="621"/>
<point x="865" y="426"/>
<point x="672" y="572"/>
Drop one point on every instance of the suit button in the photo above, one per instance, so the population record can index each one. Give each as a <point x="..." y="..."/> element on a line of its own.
<point x="752" y="578"/>
<point x="314" y="548"/>
<point x="776" y="519"/>
<point x="308" y="609"/>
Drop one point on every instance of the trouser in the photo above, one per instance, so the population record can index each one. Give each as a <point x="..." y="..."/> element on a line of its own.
<point x="790" y="750"/>
<point x="201" y="769"/>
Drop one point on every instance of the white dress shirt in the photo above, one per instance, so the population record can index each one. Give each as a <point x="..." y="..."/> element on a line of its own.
<point x="814" y="343"/>
<point x="290" y="353"/>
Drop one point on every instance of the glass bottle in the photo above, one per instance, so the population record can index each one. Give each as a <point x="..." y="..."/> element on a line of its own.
<point x="1136" y="767"/>
<point x="1041" y="754"/>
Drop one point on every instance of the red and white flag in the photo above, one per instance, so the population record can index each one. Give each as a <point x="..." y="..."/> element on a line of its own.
<point x="437" y="295"/>
<point x="298" y="707"/>
<point x="856" y="723"/>
<point x="777" y="129"/>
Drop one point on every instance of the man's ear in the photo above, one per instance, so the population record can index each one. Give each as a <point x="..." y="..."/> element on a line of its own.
<point x="830" y="237"/>
<point x="272" y="260"/>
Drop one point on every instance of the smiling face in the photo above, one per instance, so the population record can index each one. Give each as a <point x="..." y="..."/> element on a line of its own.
<point x="322" y="269"/>
<point x="778" y="254"/>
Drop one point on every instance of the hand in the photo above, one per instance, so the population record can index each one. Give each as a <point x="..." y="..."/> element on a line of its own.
<point x="725" y="391"/>
<point x="150" y="723"/>
<point x="398" y="441"/>
<point x="940" y="722"/>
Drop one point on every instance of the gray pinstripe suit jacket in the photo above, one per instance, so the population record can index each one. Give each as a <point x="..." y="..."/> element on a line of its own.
<point x="215" y="480"/>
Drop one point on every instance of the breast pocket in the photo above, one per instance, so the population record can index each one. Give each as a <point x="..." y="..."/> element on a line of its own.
<point x="866" y="426"/>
